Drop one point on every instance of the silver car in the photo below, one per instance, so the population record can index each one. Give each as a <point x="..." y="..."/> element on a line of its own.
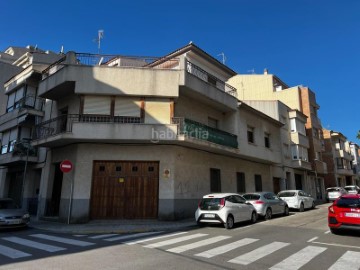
<point x="333" y="193"/>
<point x="297" y="199"/>
<point x="11" y="216"/>
<point x="267" y="204"/>
<point x="352" y="189"/>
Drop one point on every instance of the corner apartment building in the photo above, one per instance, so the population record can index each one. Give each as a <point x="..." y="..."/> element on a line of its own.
<point x="269" y="87"/>
<point x="147" y="137"/>
<point x="338" y="158"/>
<point x="20" y="163"/>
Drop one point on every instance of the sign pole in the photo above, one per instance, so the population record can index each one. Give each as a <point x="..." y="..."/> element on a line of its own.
<point x="66" y="166"/>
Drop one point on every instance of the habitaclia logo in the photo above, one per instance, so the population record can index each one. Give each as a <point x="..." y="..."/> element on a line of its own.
<point x="168" y="134"/>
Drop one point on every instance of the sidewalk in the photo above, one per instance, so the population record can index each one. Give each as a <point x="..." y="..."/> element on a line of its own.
<point x="112" y="226"/>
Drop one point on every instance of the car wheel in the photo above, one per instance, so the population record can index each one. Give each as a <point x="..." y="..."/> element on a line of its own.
<point x="253" y="217"/>
<point x="286" y="210"/>
<point x="334" y="231"/>
<point x="313" y="205"/>
<point x="200" y="224"/>
<point x="268" y="214"/>
<point x="301" y="209"/>
<point x="229" y="224"/>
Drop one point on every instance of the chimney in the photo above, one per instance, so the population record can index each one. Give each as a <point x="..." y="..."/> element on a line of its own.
<point x="266" y="71"/>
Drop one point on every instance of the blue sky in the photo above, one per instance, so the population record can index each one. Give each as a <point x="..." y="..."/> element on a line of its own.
<point x="313" y="43"/>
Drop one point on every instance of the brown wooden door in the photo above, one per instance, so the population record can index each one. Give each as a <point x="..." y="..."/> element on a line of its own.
<point x="124" y="189"/>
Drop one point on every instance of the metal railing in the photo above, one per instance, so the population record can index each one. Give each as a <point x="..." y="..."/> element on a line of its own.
<point x="28" y="102"/>
<point x="88" y="59"/>
<point x="63" y="123"/>
<point x="200" y="131"/>
<point x="211" y="79"/>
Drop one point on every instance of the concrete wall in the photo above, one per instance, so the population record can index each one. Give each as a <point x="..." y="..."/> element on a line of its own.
<point x="179" y="193"/>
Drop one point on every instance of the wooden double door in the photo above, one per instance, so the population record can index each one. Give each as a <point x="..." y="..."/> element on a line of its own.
<point x="124" y="190"/>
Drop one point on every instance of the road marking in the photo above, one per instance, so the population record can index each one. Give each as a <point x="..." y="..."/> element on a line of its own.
<point x="223" y="249"/>
<point x="33" y="244"/>
<point x="335" y="245"/>
<point x="153" y="238"/>
<point x="245" y="227"/>
<point x="299" y="259"/>
<point x="124" y="237"/>
<point x="208" y="241"/>
<point x="326" y="232"/>
<point x="12" y="253"/>
<point x="102" y="236"/>
<point x="63" y="240"/>
<point x="312" y="239"/>
<point x="176" y="240"/>
<point x="79" y="235"/>
<point x="349" y="261"/>
<point x="258" y="253"/>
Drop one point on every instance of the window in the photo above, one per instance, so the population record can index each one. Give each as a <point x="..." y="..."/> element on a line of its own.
<point x="250" y="134"/>
<point x="258" y="183"/>
<point x="240" y="181"/>
<point x="267" y="140"/>
<point x="215" y="180"/>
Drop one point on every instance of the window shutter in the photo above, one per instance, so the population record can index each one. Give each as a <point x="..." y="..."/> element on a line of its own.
<point x="97" y="105"/>
<point x="127" y="107"/>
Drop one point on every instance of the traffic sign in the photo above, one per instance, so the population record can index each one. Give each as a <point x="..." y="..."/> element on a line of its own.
<point x="66" y="166"/>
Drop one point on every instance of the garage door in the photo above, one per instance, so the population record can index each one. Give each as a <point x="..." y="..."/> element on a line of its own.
<point x="124" y="190"/>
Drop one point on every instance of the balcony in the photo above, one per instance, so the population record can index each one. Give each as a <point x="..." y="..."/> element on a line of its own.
<point x="22" y="112"/>
<point x="320" y="167"/>
<point x="343" y="154"/>
<point x="300" y="139"/>
<point x="114" y="75"/>
<point x="68" y="129"/>
<point x="344" y="171"/>
<point x="196" y="130"/>
<point x="301" y="164"/>
<point x="206" y="87"/>
<point x="18" y="152"/>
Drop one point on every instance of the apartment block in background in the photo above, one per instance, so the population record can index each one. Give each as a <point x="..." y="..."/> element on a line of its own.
<point x="355" y="153"/>
<point x="339" y="159"/>
<point x="269" y="87"/>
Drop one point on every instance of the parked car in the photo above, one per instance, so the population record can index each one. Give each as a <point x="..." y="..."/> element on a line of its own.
<point x="297" y="199"/>
<point x="224" y="208"/>
<point x="352" y="189"/>
<point x="267" y="204"/>
<point x="12" y="216"/>
<point x="344" y="213"/>
<point x="332" y="193"/>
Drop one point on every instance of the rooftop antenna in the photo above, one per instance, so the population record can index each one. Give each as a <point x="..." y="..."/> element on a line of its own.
<point x="99" y="38"/>
<point x="252" y="70"/>
<point x="62" y="49"/>
<point x="223" y="57"/>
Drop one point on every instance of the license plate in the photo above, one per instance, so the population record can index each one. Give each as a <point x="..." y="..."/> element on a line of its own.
<point x="209" y="215"/>
<point x="13" y="222"/>
<point x="356" y="215"/>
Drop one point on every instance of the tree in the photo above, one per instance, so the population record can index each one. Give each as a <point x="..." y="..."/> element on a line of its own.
<point x="358" y="135"/>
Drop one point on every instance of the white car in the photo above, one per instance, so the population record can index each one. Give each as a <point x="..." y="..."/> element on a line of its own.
<point x="352" y="189"/>
<point x="297" y="199"/>
<point x="224" y="208"/>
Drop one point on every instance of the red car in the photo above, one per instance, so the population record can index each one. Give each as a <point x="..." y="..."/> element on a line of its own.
<point x="344" y="213"/>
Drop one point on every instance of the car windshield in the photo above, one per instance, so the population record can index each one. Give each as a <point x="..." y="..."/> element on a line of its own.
<point x="287" y="194"/>
<point x="348" y="203"/>
<point x="7" y="204"/>
<point x="349" y="188"/>
<point x="251" y="197"/>
<point x="333" y="189"/>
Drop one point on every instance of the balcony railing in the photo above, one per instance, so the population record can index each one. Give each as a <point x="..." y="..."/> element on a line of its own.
<point x="200" y="131"/>
<point x="87" y="59"/>
<point x="211" y="79"/>
<point x="28" y="102"/>
<point x="63" y="123"/>
<point x="19" y="148"/>
<point x="187" y="127"/>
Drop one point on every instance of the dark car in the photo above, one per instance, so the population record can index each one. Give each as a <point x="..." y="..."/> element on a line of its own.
<point x="11" y="216"/>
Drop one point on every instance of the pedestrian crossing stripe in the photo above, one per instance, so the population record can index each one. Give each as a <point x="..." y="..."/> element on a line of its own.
<point x="62" y="240"/>
<point x="12" y="253"/>
<point x="349" y="261"/>
<point x="153" y="238"/>
<point x="101" y="236"/>
<point x="198" y="244"/>
<point x="33" y="244"/>
<point x="176" y="240"/>
<point x="124" y="237"/>
<point x="299" y="259"/>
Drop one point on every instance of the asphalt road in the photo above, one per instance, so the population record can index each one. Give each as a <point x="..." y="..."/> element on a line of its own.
<point x="299" y="241"/>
